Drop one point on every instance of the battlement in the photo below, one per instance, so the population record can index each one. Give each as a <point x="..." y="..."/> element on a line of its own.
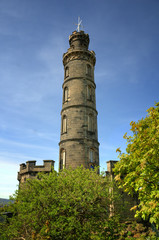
<point x="125" y="202"/>
<point x="30" y="169"/>
<point x="110" y="166"/>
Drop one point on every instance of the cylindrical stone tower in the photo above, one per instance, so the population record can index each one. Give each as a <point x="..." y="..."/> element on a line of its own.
<point x="79" y="137"/>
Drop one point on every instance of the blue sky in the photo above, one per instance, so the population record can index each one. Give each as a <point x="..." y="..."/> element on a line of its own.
<point x="33" y="37"/>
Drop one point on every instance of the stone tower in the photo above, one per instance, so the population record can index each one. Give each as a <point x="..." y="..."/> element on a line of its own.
<point x="79" y="137"/>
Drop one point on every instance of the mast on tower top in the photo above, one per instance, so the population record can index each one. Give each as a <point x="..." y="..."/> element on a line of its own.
<point x="79" y="25"/>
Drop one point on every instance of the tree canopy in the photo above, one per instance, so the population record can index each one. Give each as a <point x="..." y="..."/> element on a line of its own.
<point x="71" y="204"/>
<point x="138" y="169"/>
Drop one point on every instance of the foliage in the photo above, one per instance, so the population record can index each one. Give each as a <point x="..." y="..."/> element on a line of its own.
<point x="134" y="230"/>
<point x="138" y="169"/>
<point x="71" y="204"/>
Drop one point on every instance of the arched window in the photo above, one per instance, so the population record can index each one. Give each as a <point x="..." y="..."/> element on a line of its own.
<point x="88" y="70"/>
<point x="90" y="122"/>
<point x="66" y="71"/>
<point x="89" y="93"/>
<point x="64" y="124"/>
<point x="62" y="159"/>
<point x="65" y="96"/>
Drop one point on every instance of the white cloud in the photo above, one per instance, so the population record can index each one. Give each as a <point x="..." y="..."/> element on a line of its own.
<point x="8" y="177"/>
<point x="11" y="160"/>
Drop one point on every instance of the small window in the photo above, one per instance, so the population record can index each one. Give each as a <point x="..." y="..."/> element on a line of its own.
<point x="88" y="70"/>
<point x="91" y="155"/>
<point x="89" y="93"/>
<point x="65" y="97"/>
<point x="64" y="124"/>
<point x="66" y="71"/>
<point x="62" y="159"/>
<point x="90" y="122"/>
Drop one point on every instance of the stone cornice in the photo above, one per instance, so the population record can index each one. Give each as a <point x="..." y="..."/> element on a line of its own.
<point x="79" y="139"/>
<point x="79" y="78"/>
<point x="79" y="55"/>
<point x="78" y="106"/>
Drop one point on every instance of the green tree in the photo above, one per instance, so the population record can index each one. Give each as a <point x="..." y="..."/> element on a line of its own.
<point x="138" y="169"/>
<point x="71" y="204"/>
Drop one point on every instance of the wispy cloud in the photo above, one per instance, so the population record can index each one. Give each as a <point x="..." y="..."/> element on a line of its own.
<point x="24" y="145"/>
<point x="11" y="160"/>
<point x="36" y="86"/>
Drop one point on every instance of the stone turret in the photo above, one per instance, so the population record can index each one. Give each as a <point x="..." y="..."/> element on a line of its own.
<point x="110" y="166"/>
<point x="79" y="137"/>
<point x="30" y="170"/>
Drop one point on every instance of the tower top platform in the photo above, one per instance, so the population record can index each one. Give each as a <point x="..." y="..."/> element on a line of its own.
<point x="79" y="39"/>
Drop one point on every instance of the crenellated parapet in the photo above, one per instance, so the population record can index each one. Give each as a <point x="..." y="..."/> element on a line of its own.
<point x="125" y="202"/>
<point x="30" y="169"/>
<point x="110" y="166"/>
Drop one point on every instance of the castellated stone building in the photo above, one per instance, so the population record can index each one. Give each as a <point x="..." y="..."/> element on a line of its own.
<point x="79" y="137"/>
<point x="30" y="169"/>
